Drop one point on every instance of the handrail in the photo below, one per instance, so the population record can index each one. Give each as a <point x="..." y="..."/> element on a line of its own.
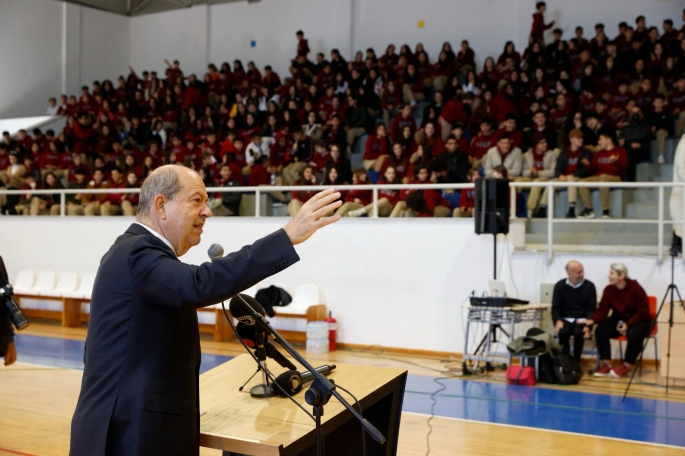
<point x="514" y="186"/>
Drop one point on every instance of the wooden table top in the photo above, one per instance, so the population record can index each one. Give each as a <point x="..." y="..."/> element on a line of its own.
<point x="236" y="421"/>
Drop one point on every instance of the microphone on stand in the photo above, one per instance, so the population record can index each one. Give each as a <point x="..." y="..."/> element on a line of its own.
<point x="249" y="336"/>
<point x="292" y="381"/>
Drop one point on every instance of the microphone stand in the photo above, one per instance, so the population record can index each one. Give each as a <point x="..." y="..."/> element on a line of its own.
<point x="265" y="389"/>
<point x="321" y="390"/>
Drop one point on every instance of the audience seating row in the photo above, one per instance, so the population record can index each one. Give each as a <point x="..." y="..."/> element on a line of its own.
<point x="75" y="297"/>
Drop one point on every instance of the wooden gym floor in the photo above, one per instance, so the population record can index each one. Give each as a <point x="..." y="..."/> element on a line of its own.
<point x="474" y="416"/>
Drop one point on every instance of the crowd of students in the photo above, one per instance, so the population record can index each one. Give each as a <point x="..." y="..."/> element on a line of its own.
<point x="573" y="109"/>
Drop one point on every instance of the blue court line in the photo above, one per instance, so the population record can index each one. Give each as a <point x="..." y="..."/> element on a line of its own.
<point x="643" y="420"/>
<point x="67" y="353"/>
<point x="637" y="419"/>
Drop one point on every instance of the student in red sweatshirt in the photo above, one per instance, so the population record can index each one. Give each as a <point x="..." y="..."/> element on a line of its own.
<point x="467" y="198"/>
<point x="377" y="148"/>
<point x="111" y="204"/>
<point x="609" y="164"/>
<point x="387" y="198"/>
<point x="537" y="31"/>
<point x="481" y="143"/>
<point x="401" y="120"/>
<point x="356" y="199"/>
<point x="129" y="201"/>
<point x="426" y="203"/>
<point x="299" y="197"/>
<point x="630" y="316"/>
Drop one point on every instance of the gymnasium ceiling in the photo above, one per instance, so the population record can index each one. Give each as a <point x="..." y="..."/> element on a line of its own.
<point x="138" y="7"/>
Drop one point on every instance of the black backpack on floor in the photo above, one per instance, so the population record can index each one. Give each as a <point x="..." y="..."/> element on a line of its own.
<point x="567" y="370"/>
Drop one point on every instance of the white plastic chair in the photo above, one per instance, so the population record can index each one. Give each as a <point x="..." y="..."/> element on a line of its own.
<point x="85" y="289"/>
<point x="25" y="281"/>
<point x="67" y="284"/>
<point x="45" y="283"/>
<point x="305" y="295"/>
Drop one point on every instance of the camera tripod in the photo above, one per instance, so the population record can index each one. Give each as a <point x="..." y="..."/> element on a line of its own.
<point x="672" y="290"/>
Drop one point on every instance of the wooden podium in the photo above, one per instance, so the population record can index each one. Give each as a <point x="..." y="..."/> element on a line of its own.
<point x="235" y="421"/>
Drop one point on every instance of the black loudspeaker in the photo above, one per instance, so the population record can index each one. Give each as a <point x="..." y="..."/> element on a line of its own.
<point x="492" y="206"/>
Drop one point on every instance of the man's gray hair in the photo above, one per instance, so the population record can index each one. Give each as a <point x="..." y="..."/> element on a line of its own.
<point x="620" y="268"/>
<point x="162" y="181"/>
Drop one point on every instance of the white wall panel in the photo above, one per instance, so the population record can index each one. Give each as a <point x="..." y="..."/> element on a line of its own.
<point x="396" y="283"/>
<point x="105" y="46"/>
<point x="179" y="34"/>
<point x="30" y="56"/>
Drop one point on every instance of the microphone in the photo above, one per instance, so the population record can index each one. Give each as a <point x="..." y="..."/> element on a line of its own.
<point x="241" y="311"/>
<point x="291" y="381"/>
<point x="248" y="334"/>
<point x="215" y="251"/>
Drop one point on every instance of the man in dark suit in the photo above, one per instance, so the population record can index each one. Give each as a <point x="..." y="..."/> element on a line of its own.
<point x="139" y="394"/>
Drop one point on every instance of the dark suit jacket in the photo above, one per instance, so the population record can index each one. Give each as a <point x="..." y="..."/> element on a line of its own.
<point x="139" y="394"/>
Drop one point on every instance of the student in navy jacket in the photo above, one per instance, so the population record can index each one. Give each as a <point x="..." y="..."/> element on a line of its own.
<point x="139" y="394"/>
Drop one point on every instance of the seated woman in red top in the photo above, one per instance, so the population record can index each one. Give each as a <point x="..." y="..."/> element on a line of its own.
<point x="400" y="162"/>
<point x="430" y="139"/>
<point x="630" y="316"/>
<point x="46" y="204"/>
<point x="129" y="201"/>
<point x="299" y="197"/>
<point x="387" y="198"/>
<point x="377" y="148"/>
<point x="355" y="199"/>
<point x="423" y="202"/>
<point x="467" y="198"/>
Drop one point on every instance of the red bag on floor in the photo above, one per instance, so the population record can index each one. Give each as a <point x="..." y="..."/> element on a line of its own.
<point x="519" y="375"/>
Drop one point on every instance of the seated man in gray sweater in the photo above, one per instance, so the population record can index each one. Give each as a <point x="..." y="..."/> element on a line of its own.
<point x="573" y="302"/>
<point x="505" y="154"/>
<point x="539" y="164"/>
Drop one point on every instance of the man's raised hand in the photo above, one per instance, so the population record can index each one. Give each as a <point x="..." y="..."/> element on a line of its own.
<point x="311" y="216"/>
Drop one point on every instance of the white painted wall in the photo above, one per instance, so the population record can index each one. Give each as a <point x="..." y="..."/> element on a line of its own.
<point x="352" y="25"/>
<point x="179" y="34"/>
<point x="272" y="25"/>
<point x="395" y="283"/>
<point x="30" y="56"/>
<point x="49" y="47"/>
<point x="105" y="46"/>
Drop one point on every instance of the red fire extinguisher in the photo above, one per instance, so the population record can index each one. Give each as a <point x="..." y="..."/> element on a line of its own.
<point x="332" y="331"/>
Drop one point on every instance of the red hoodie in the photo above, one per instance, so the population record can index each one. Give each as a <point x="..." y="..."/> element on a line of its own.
<point x="630" y="304"/>
<point x="453" y="112"/>
<point x="602" y="164"/>
<point x="393" y="196"/>
<point x="362" y="195"/>
<point x="376" y="146"/>
<point x="481" y="144"/>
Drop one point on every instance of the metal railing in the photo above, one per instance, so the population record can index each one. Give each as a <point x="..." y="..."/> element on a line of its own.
<point x="660" y="221"/>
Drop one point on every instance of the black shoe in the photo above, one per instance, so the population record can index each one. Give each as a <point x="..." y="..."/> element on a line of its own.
<point x="587" y="213"/>
<point x="540" y="213"/>
<point x="571" y="214"/>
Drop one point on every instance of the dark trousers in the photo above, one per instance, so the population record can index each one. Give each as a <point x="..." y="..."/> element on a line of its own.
<point x="636" y="336"/>
<point x="565" y="333"/>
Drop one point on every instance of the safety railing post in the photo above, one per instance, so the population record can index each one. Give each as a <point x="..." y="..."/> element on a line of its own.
<point x="257" y="204"/>
<point x="375" y="203"/>
<point x="550" y="222"/>
<point x="660" y="234"/>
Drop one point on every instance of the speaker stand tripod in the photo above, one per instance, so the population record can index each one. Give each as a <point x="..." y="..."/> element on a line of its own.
<point x="672" y="290"/>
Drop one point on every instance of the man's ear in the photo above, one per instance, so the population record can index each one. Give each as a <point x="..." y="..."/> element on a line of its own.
<point x="159" y="206"/>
